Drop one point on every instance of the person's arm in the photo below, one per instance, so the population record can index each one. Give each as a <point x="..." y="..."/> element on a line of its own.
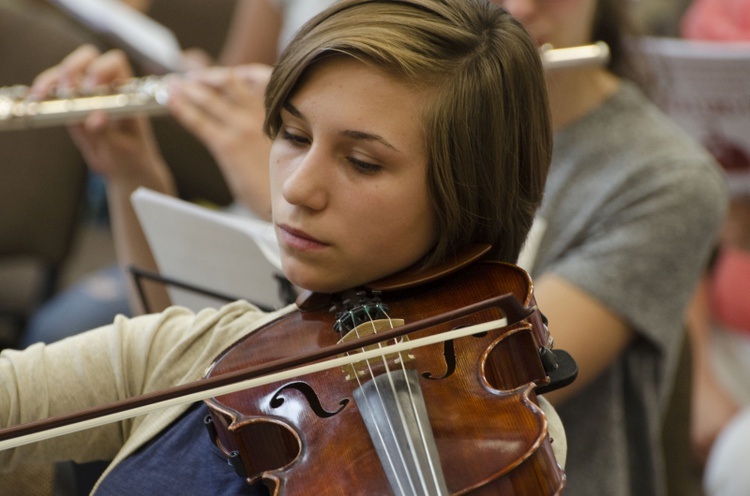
<point x="225" y="113"/>
<point x="123" y="360"/>
<point x="253" y="34"/>
<point x="124" y="152"/>
<point x="592" y="334"/>
<point x="630" y="277"/>
<point x="223" y="107"/>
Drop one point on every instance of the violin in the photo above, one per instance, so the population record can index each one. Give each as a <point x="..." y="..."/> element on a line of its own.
<point x="451" y="408"/>
<point x="455" y="417"/>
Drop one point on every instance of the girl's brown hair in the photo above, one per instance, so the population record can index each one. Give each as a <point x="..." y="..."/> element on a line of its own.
<point x="486" y="127"/>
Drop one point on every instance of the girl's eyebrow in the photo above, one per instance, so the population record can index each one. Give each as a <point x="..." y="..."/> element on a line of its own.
<point x="293" y="110"/>
<point x="363" y="136"/>
<point x="351" y="134"/>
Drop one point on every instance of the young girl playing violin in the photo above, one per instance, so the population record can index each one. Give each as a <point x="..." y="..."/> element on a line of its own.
<point x="402" y="132"/>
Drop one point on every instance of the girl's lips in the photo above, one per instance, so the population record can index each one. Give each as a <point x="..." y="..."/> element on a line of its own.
<point x="299" y="240"/>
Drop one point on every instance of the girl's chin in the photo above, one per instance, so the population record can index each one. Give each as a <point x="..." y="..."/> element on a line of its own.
<point x="321" y="279"/>
<point x="316" y="284"/>
<point x="310" y="280"/>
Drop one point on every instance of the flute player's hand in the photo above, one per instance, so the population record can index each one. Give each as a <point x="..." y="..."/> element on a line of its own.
<point x="123" y="150"/>
<point x="223" y="107"/>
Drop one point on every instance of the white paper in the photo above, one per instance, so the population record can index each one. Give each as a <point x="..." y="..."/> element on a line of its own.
<point x="214" y="250"/>
<point x="705" y="88"/>
<point x="130" y="29"/>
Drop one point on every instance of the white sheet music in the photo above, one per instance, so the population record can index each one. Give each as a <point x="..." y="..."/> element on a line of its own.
<point x="130" y="29"/>
<point x="221" y="252"/>
<point x="705" y="88"/>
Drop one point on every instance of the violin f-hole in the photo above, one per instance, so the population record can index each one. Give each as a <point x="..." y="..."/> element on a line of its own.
<point x="312" y="399"/>
<point x="449" y="355"/>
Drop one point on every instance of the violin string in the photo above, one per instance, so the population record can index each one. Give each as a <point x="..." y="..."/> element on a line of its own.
<point x="399" y="408"/>
<point x="421" y="428"/>
<point x="371" y="412"/>
<point x="387" y="417"/>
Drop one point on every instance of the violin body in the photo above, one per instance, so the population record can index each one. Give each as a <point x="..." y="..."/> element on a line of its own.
<point x="314" y="434"/>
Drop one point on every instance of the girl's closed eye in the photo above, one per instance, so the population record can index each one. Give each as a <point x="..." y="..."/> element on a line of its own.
<point x="294" y="138"/>
<point x="364" y="167"/>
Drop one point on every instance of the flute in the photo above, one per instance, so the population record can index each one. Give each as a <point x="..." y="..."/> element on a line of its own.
<point x="149" y="95"/>
<point x="138" y="96"/>
<point x="580" y="56"/>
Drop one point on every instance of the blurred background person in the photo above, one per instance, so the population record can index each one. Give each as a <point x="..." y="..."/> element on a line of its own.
<point x="627" y="223"/>
<point x="228" y="135"/>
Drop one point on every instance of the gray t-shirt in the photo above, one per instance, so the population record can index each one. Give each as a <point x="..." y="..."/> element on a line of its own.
<point x="631" y="211"/>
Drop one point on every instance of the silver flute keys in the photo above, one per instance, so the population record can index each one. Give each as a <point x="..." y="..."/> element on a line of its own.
<point x="146" y="96"/>
<point x="149" y="95"/>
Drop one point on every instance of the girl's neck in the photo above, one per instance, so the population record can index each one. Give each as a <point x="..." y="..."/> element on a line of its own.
<point x="575" y="92"/>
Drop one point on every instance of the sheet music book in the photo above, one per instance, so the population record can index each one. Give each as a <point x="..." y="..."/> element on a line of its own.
<point x="136" y="33"/>
<point x="221" y="252"/>
<point x="704" y="87"/>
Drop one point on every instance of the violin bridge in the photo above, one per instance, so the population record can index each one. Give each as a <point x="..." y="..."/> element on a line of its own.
<point x="364" y="368"/>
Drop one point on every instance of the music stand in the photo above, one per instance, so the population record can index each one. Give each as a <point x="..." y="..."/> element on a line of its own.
<point x="208" y="257"/>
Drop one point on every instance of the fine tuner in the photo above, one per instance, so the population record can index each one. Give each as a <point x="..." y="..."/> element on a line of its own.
<point x="149" y="95"/>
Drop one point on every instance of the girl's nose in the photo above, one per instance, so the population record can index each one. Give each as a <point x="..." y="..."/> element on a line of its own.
<point x="307" y="184"/>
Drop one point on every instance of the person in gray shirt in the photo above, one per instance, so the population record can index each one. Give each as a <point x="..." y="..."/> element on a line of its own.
<point x="631" y="210"/>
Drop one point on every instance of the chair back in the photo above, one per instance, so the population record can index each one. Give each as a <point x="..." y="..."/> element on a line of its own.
<point x="42" y="175"/>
